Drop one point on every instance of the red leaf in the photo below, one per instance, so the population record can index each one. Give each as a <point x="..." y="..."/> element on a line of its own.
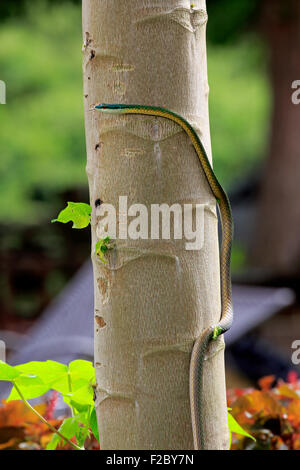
<point x="292" y="377"/>
<point x="265" y="383"/>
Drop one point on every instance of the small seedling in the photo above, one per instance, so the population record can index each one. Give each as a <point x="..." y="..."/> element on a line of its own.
<point x="80" y="214"/>
<point x="102" y="246"/>
<point x="216" y="333"/>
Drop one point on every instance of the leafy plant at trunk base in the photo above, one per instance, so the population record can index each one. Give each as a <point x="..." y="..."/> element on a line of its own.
<point x="74" y="382"/>
<point x="268" y="418"/>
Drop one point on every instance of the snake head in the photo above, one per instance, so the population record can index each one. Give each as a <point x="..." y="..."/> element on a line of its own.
<point x="101" y="106"/>
<point x="111" y="107"/>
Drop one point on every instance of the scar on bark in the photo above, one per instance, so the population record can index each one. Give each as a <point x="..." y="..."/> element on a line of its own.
<point x="98" y="202"/>
<point x="100" y="321"/>
<point x="98" y="145"/>
<point x="123" y="68"/>
<point x="104" y="289"/>
<point x="88" y="40"/>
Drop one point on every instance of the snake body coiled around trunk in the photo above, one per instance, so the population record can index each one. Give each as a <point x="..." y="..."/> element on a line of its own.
<point x="213" y="332"/>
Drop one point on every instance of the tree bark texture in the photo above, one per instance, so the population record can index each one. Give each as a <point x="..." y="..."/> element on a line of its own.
<point x="153" y="298"/>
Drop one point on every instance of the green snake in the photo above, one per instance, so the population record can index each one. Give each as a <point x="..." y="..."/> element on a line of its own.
<point x="211" y="333"/>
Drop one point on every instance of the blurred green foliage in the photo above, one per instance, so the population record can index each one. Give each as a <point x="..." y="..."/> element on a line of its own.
<point x="240" y="105"/>
<point x="42" y="128"/>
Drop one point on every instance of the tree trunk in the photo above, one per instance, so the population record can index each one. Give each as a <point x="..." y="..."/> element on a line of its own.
<point x="153" y="297"/>
<point x="277" y="248"/>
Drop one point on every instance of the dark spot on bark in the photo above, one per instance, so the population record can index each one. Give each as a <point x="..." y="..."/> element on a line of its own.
<point x="92" y="54"/>
<point x="100" y="321"/>
<point x="94" y="392"/>
<point x="98" y="202"/>
<point x="97" y="146"/>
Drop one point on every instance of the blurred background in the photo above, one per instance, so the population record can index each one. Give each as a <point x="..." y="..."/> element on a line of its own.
<point x="253" y="59"/>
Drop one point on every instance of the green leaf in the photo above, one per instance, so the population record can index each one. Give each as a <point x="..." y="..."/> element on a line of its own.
<point x="236" y="428"/>
<point x="47" y="371"/>
<point x="99" y="250"/>
<point x="82" y="369"/>
<point x="40" y="377"/>
<point x="82" y="431"/>
<point x="30" y="386"/>
<point x="83" y="395"/>
<point x="84" y="417"/>
<point x="81" y="435"/>
<point x="55" y="440"/>
<point x="81" y="374"/>
<point x="77" y="407"/>
<point x="53" y="375"/>
<point x="68" y="429"/>
<point x="94" y="424"/>
<point x="7" y="372"/>
<point x="77" y="212"/>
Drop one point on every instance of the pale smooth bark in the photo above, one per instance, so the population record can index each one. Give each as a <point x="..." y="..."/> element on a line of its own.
<point x="153" y="298"/>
